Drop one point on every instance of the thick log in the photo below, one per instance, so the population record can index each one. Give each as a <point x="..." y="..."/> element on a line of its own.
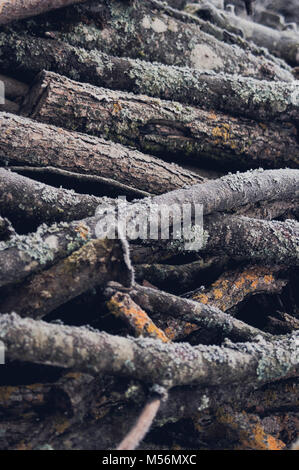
<point x="149" y="360"/>
<point x="120" y="29"/>
<point x="85" y="154"/>
<point x="236" y="95"/>
<point x="164" y="128"/>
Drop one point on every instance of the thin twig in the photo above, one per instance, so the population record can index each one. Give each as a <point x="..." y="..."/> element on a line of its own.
<point x="142" y="426"/>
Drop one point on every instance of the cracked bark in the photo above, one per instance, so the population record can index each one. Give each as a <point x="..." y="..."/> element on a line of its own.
<point x="79" y="153"/>
<point x="236" y="95"/>
<point x="184" y="40"/>
<point x="163" y="128"/>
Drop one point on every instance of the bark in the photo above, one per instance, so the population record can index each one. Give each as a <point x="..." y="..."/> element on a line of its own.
<point x="25" y="201"/>
<point x="80" y="153"/>
<point x="23" y="255"/>
<point x="241" y="238"/>
<point x="183" y="39"/>
<point x="233" y="287"/>
<point x="180" y="278"/>
<point x="284" y="44"/>
<point x="190" y="315"/>
<point x="164" y="128"/>
<point x="17" y="9"/>
<point x="237" y="95"/>
<point x="148" y="360"/>
<point x="253" y="239"/>
<point x="233" y="191"/>
<point x="93" y="265"/>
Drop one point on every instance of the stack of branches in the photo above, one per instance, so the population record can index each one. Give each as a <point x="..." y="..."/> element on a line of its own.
<point x="114" y="339"/>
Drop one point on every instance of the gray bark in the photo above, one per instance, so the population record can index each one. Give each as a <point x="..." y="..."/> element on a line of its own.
<point x="183" y="39"/>
<point x="148" y="360"/>
<point x="72" y="151"/>
<point x="237" y="95"/>
<point x="23" y="255"/>
<point x="164" y="128"/>
<point x="24" y="201"/>
<point x="284" y="44"/>
<point x="17" y="9"/>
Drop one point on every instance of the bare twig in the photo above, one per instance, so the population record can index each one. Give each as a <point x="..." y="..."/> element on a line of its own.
<point x="142" y="426"/>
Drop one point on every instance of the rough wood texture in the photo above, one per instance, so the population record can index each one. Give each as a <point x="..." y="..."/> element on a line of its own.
<point x="164" y="128"/>
<point x="237" y="95"/>
<point x="151" y="361"/>
<point x="11" y="10"/>
<point x="284" y="44"/>
<point x="123" y="29"/>
<point x="80" y="153"/>
<point x="26" y="254"/>
<point x="23" y="201"/>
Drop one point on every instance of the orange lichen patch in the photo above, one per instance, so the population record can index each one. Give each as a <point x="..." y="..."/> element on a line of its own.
<point x="218" y="294"/>
<point x="263" y="126"/>
<point x="240" y="282"/>
<point x="123" y="306"/>
<point x="212" y="116"/>
<point x="117" y="107"/>
<point x="249" y="431"/>
<point x="83" y="231"/>
<point x="221" y="133"/>
<point x="203" y="298"/>
<point x="232" y="287"/>
<point x="256" y="439"/>
<point x="190" y="328"/>
<point x="170" y="333"/>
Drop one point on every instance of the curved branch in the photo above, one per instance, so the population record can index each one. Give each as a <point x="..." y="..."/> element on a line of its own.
<point x="149" y="360"/>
